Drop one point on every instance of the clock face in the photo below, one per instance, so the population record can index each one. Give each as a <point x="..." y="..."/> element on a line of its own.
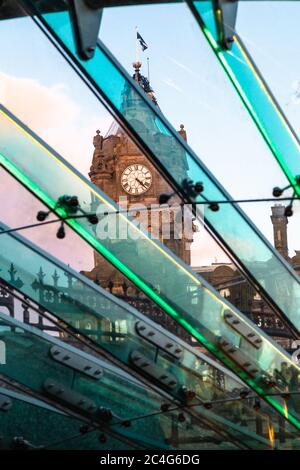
<point x="136" y="179"/>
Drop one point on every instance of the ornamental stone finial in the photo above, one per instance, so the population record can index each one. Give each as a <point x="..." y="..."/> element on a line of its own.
<point x="182" y="132"/>
<point x="98" y="140"/>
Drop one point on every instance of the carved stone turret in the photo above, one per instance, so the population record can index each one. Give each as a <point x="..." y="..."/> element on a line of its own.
<point x="103" y="163"/>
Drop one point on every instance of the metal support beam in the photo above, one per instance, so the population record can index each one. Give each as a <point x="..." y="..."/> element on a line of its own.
<point x="225" y="17"/>
<point x="86" y="19"/>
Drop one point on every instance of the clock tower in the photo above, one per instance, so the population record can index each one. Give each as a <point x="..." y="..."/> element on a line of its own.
<point x="121" y="171"/>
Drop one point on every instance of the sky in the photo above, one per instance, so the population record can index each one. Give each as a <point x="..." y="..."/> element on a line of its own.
<point x="191" y="88"/>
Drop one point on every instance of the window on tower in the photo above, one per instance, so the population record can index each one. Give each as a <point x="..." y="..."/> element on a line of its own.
<point x="279" y="235"/>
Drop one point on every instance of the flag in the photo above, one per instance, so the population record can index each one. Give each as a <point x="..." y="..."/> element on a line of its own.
<point x="143" y="44"/>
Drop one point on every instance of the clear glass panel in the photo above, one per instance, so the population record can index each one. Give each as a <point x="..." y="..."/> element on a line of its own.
<point x="71" y="378"/>
<point x="32" y="424"/>
<point x="245" y="241"/>
<point x="247" y="80"/>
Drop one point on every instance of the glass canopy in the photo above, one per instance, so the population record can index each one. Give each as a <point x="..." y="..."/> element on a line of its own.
<point x="63" y="93"/>
<point x="186" y="297"/>
<point x="238" y="235"/>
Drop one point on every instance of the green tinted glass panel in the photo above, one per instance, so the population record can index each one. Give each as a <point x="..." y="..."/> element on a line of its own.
<point x="274" y="56"/>
<point x="122" y="331"/>
<point x="254" y="92"/>
<point x="29" y="423"/>
<point x="82" y="383"/>
<point x="230" y="224"/>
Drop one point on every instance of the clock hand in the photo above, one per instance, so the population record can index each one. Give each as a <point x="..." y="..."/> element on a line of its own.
<point x="139" y="181"/>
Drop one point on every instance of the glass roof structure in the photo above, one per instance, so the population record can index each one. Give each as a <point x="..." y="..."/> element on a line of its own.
<point x="102" y="374"/>
<point x="260" y="361"/>
<point x="111" y="86"/>
<point x="174" y="365"/>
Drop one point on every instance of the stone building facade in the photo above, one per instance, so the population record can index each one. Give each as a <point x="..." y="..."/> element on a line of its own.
<point x="235" y="288"/>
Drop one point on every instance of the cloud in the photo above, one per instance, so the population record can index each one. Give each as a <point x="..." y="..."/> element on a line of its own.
<point x="35" y="104"/>
<point x="200" y="77"/>
<point x="171" y="84"/>
<point x="182" y="66"/>
<point x="66" y="124"/>
<point x="75" y="141"/>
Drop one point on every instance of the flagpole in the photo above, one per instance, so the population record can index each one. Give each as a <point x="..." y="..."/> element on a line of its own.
<point x="148" y="66"/>
<point x="137" y="59"/>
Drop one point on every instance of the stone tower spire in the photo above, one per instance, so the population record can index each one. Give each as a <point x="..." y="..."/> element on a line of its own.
<point x="280" y="221"/>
